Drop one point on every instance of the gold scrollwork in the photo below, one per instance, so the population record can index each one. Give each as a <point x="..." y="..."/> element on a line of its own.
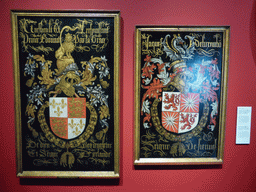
<point x="209" y="53"/>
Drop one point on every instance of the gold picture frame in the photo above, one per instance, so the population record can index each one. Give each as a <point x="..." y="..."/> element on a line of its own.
<point x="181" y="75"/>
<point x="66" y="74"/>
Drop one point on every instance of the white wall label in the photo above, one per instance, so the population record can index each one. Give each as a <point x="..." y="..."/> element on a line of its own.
<point x="243" y="125"/>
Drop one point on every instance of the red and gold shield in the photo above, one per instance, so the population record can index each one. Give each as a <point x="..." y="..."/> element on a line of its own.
<point x="67" y="116"/>
<point x="180" y="112"/>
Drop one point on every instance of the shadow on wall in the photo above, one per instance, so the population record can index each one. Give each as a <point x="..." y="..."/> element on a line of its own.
<point x="69" y="182"/>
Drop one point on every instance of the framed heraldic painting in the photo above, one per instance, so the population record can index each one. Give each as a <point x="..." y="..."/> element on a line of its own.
<point x="181" y="92"/>
<point x="66" y="69"/>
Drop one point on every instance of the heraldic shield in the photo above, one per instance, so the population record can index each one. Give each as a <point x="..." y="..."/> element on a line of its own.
<point x="180" y="112"/>
<point x="67" y="116"/>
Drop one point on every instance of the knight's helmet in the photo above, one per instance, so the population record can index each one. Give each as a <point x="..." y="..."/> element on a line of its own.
<point x="179" y="81"/>
<point x="179" y="53"/>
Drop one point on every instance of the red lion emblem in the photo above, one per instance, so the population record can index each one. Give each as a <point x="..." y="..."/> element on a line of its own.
<point x="173" y="101"/>
<point x="188" y="119"/>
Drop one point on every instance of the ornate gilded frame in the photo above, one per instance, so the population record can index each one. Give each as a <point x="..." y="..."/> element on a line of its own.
<point x="181" y="75"/>
<point x="66" y="74"/>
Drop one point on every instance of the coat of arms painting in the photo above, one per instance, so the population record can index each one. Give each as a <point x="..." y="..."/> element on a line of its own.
<point x="181" y="77"/>
<point x="66" y="83"/>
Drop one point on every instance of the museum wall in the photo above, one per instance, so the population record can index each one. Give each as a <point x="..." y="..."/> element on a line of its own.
<point x="238" y="172"/>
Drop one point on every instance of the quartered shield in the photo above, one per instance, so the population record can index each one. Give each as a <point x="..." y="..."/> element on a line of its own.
<point x="180" y="112"/>
<point x="67" y="116"/>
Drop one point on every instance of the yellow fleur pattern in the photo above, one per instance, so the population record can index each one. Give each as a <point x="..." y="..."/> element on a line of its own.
<point x="76" y="127"/>
<point x="58" y="111"/>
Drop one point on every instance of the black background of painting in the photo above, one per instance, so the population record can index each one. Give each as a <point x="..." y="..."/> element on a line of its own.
<point x="27" y="161"/>
<point x="197" y="59"/>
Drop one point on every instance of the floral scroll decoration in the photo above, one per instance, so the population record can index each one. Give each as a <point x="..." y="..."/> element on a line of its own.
<point x="182" y="73"/>
<point x="91" y="80"/>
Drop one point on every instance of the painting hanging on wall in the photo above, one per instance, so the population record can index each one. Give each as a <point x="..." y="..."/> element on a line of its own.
<point x="66" y="70"/>
<point x="180" y="94"/>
